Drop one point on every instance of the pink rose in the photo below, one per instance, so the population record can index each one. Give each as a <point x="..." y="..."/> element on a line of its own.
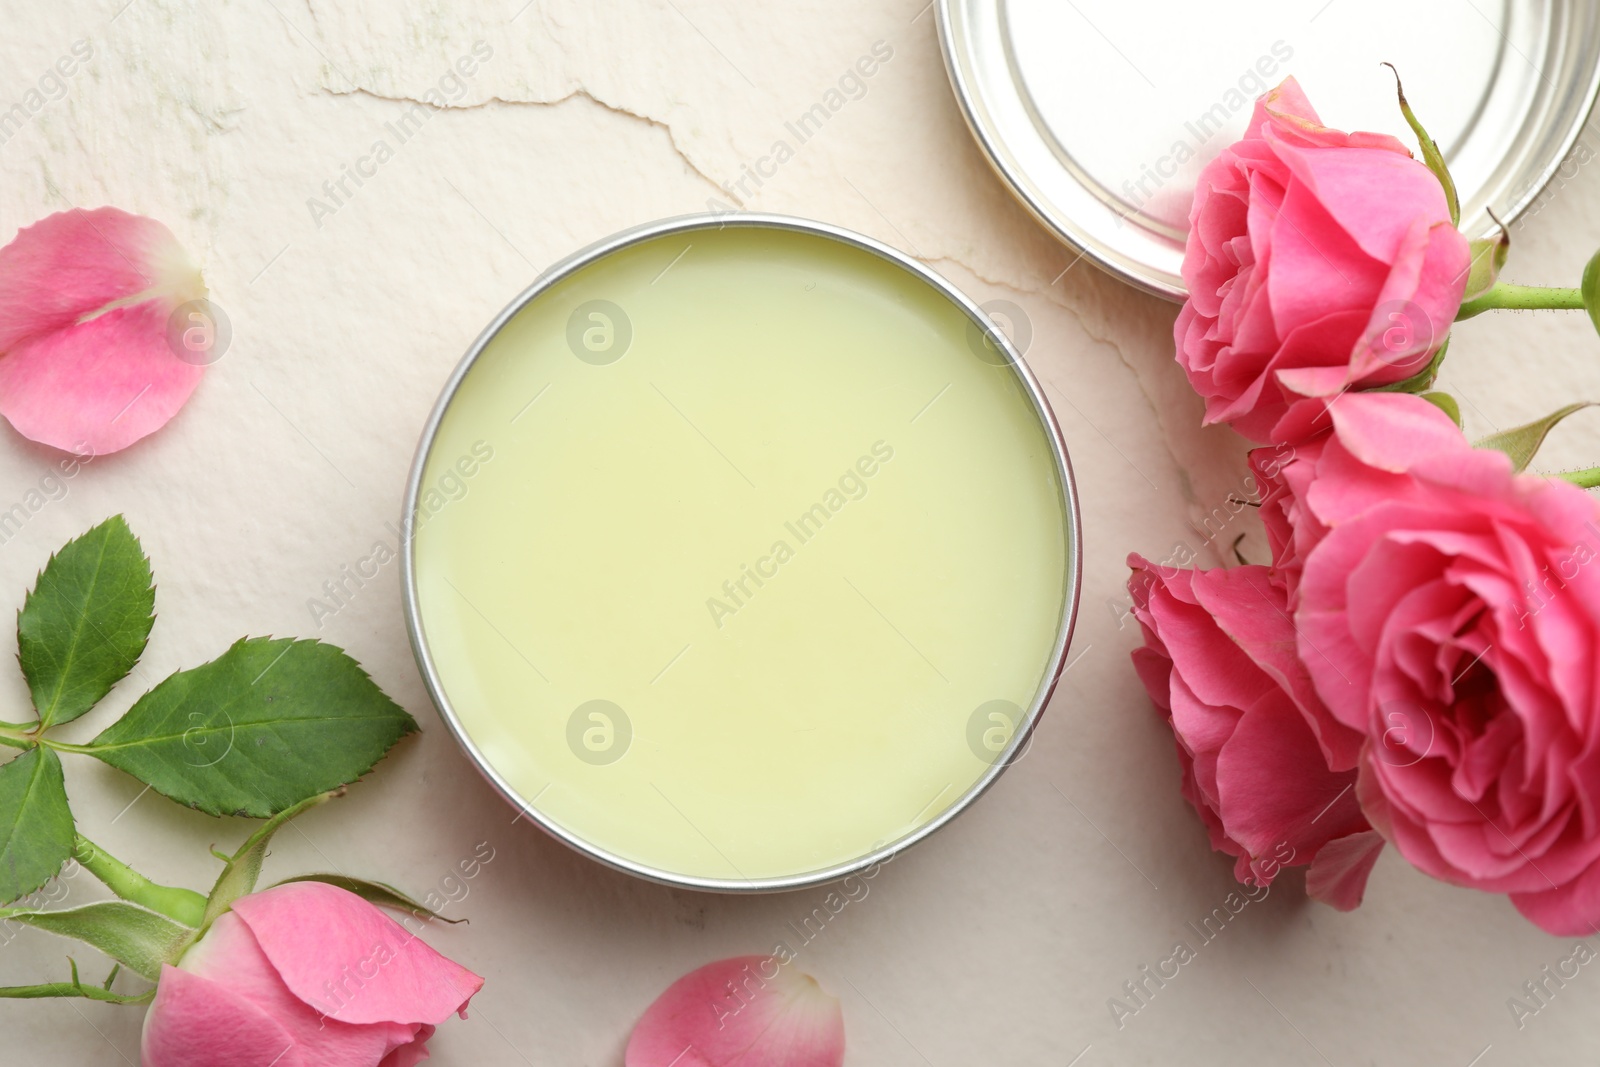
<point x="1220" y="660"/>
<point x="1318" y="261"/>
<point x="1282" y="476"/>
<point x="1450" y="617"/>
<point x="303" y="975"/>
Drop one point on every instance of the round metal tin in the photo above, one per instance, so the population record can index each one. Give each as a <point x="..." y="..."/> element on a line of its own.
<point x="1099" y="114"/>
<point x="1060" y="461"/>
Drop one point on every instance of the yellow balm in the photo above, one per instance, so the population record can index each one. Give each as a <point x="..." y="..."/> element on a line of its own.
<point x="740" y="553"/>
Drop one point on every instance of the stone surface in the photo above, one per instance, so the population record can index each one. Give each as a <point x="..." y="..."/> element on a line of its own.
<point x="998" y="941"/>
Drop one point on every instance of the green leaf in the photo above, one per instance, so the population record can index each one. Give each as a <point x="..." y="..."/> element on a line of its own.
<point x="86" y="621"/>
<point x="1430" y="150"/>
<point x="243" y="869"/>
<point x="138" y="939"/>
<point x="266" y="725"/>
<point x="1488" y="259"/>
<point x="1523" y="442"/>
<point x="380" y="893"/>
<point x="1591" y="289"/>
<point x="36" y="835"/>
<point x="1445" y="403"/>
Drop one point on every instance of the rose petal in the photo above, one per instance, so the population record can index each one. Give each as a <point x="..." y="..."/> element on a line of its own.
<point x="1372" y="195"/>
<point x="412" y="1054"/>
<point x="1338" y="873"/>
<point x="85" y="296"/>
<point x="1566" y="911"/>
<point x="230" y="956"/>
<point x="193" y="1022"/>
<point x="749" y="1010"/>
<point x="1286" y="116"/>
<point x="322" y="938"/>
<point x="1394" y="431"/>
<point x="72" y="264"/>
<point x="1275" y="788"/>
<point x="1254" y="612"/>
<point x="98" y="387"/>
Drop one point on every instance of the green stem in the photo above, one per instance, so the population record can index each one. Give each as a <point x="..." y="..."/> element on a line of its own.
<point x="75" y="988"/>
<point x="1506" y="296"/>
<point x="66" y="746"/>
<point x="71" y="989"/>
<point x="1587" y="478"/>
<point x="184" y="905"/>
<point x="18" y="734"/>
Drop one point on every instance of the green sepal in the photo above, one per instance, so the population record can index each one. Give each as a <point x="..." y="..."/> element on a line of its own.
<point x="135" y="937"/>
<point x="1445" y="403"/>
<point x="36" y="833"/>
<point x="1430" y="150"/>
<point x="1488" y="259"/>
<point x="243" y="868"/>
<point x="86" y="621"/>
<point x="379" y="893"/>
<point x="1420" y="382"/>
<point x="1522" y="442"/>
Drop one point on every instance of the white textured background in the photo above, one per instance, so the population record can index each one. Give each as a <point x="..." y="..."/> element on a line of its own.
<point x="997" y="942"/>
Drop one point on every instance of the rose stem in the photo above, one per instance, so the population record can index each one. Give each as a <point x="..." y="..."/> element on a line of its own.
<point x="184" y="905"/>
<point x="1587" y="478"/>
<point x="1523" y="297"/>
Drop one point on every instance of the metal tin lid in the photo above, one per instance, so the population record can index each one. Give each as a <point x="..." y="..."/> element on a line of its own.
<point x="1100" y="114"/>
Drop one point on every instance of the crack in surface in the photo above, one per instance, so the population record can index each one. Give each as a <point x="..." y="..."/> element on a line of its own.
<point x="578" y="93"/>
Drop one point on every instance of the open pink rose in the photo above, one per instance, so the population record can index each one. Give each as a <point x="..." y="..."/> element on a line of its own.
<point x="303" y="975"/>
<point x="1220" y="659"/>
<point x="1450" y="618"/>
<point x="1317" y="261"/>
<point x="90" y="359"/>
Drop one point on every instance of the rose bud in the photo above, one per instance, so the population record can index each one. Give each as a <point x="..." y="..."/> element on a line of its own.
<point x="303" y="975"/>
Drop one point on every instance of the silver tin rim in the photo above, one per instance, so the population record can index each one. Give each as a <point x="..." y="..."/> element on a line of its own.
<point x="683" y="224"/>
<point x="1538" y="151"/>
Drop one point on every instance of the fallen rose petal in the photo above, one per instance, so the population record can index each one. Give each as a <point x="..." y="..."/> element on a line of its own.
<point x="750" y="1011"/>
<point x="85" y="299"/>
